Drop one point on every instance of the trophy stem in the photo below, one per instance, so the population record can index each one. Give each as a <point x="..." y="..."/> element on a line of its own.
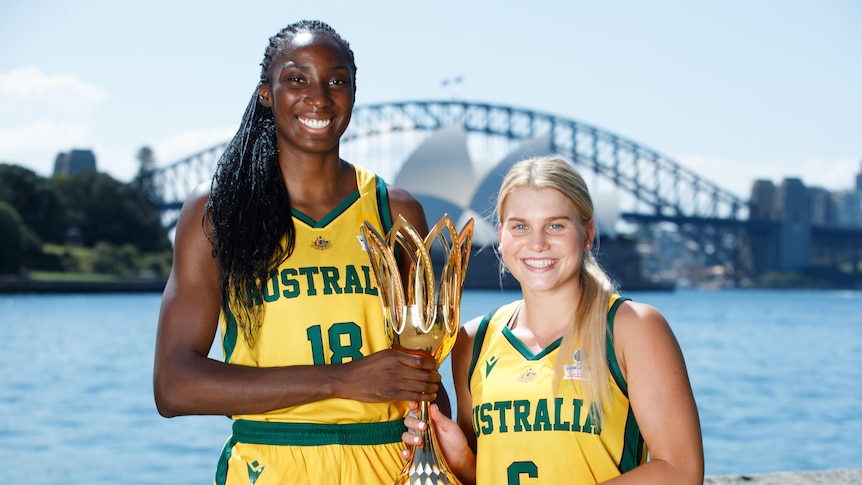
<point x="427" y="465"/>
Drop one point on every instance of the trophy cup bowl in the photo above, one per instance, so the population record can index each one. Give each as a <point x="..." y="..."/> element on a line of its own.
<point x="421" y="309"/>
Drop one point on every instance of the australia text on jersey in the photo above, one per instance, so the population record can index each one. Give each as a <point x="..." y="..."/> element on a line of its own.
<point x="314" y="280"/>
<point x="525" y="416"/>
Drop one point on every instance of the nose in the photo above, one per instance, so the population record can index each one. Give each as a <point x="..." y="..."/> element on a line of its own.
<point x="538" y="240"/>
<point x="317" y="94"/>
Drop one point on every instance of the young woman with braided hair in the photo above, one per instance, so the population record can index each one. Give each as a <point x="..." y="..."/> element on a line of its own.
<point x="572" y="383"/>
<point x="270" y="253"/>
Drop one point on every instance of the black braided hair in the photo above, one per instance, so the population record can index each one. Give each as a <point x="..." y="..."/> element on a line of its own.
<point x="249" y="206"/>
<point x="280" y="41"/>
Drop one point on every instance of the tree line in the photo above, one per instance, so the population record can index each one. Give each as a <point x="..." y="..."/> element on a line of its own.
<point x="119" y="221"/>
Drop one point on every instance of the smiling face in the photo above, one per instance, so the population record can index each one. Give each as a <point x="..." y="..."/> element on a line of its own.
<point x="542" y="237"/>
<point x="311" y="93"/>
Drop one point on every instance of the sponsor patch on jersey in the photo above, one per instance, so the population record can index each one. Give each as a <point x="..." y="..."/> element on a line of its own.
<point x="321" y="244"/>
<point x="576" y="369"/>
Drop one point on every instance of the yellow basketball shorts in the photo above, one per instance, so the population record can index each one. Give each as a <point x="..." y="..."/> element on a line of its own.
<point x="268" y="453"/>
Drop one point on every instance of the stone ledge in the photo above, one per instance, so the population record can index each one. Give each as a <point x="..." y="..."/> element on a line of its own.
<point x="827" y="477"/>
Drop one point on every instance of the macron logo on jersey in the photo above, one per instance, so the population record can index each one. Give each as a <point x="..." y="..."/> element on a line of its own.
<point x="489" y="364"/>
<point x="254" y="471"/>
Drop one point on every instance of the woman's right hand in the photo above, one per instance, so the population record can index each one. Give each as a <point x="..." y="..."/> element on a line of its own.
<point x="388" y="376"/>
<point x="450" y="440"/>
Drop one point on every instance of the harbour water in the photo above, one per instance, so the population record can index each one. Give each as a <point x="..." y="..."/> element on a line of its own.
<point x="776" y="375"/>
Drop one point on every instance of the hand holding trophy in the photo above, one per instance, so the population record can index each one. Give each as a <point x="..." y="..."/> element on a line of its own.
<point x="421" y="316"/>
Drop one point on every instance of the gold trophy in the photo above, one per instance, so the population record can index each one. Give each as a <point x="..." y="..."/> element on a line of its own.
<point x="421" y="316"/>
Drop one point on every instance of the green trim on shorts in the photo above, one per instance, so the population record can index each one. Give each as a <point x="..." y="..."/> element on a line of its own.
<point x="221" y="468"/>
<point x="309" y="434"/>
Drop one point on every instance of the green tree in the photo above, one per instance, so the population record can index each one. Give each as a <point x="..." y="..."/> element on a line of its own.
<point x="105" y="210"/>
<point x="19" y="247"/>
<point x="36" y="200"/>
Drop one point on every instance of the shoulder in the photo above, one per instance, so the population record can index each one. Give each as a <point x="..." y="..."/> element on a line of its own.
<point x="470" y="327"/>
<point x="400" y="197"/>
<point x="403" y="202"/>
<point x="192" y="223"/>
<point x="505" y="311"/>
<point x="467" y="335"/>
<point x="636" y="317"/>
<point x="640" y="330"/>
<point x="630" y="309"/>
<point x="199" y="196"/>
<point x="194" y="268"/>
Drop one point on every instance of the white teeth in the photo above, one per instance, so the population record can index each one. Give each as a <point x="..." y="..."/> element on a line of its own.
<point x="539" y="263"/>
<point x="315" y="124"/>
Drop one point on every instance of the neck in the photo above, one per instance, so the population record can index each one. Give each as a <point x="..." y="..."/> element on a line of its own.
<point x="561" y="300"/>
<point x="316" y="189"/>
<point x="545" y="318"/>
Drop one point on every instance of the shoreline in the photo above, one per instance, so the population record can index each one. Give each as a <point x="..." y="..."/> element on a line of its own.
<point x="844" y="476"/>
<point x="157" y="285"/>
<point x="25" y="286"/>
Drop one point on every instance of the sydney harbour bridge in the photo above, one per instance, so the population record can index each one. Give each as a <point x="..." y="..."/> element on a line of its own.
<point x="457" y="153"/>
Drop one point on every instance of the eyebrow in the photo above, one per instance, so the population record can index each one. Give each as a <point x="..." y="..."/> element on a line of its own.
<point x="303" y="67"/>
<point x="546" y="219"/>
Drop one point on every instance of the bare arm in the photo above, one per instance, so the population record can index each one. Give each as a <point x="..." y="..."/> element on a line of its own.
<point x="462" y="353"/>
<point x="186" y="381"/>
<point x="661" y="398"/>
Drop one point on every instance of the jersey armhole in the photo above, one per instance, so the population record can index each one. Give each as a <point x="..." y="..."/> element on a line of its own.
<point x="383" y="204"/>
<point x="613" y="365"/>
<point x="478" y="340"/>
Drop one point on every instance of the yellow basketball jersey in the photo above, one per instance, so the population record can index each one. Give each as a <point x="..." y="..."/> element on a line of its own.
<point x="322" y="308"/>
<point x="525" y="434"/>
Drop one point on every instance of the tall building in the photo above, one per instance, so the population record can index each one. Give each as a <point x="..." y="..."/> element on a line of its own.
<point x="762" y="203"/>
<point x="848" y="205"/>
<point x="75" y="161"/>
<point x="794" y="210"/>
<point x="823" y="212"/>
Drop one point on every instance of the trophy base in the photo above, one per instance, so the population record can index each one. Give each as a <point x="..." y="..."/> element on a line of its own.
<point x="427" y="466"/>
<point x="424" y="470"/>
<point x="426" y="479"/>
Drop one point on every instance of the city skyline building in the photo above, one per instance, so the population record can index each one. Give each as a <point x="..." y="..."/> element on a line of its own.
<point x="74" y="162"/>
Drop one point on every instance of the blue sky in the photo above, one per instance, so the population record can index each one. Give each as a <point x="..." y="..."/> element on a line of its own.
<point x="734" y="90"/>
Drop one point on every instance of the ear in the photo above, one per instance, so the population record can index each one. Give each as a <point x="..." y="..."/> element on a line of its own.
<point x="589" y="233"/>
<point x="264" y="95"/>
<point x="499" y="236"/>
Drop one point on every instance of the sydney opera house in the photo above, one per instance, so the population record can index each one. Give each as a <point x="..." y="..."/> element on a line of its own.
<point x="442" y="175"/>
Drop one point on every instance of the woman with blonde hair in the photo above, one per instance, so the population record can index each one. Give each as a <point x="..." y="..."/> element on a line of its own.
<point x="572" y="382"/>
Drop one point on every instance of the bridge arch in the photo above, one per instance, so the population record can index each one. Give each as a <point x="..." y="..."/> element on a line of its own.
<point x="382" y="137"/>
